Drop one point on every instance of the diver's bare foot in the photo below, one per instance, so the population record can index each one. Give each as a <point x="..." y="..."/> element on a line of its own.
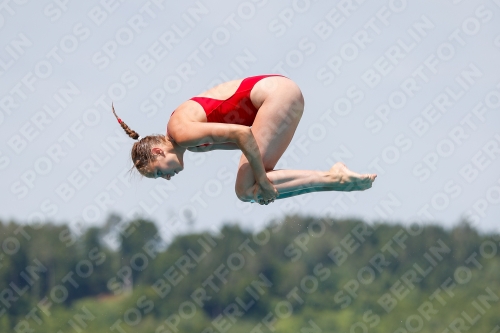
<point x="344" y="179"/>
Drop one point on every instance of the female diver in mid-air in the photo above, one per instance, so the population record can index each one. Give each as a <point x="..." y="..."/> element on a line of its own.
<point x="257" y="115"/>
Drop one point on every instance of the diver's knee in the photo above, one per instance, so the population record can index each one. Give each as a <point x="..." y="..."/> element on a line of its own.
<point x="244" y="194"/>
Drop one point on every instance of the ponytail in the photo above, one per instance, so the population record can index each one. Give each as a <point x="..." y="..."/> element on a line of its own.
<point x="131" y="133"/>
<point x="141" y="150"/>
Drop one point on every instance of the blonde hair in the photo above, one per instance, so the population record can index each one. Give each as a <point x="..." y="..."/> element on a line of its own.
<point x="141" y="150"/>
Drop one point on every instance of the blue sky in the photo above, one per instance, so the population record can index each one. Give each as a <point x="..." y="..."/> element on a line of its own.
<point x="408" y="90"/>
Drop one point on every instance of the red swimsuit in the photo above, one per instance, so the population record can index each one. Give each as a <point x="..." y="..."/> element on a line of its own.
<point x="237" y="109"/>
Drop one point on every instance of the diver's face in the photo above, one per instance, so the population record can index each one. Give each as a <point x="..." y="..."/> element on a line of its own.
<point x="165" y="166"/>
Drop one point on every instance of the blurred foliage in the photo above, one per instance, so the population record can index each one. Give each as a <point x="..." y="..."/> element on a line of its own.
<point x="300" y="274"/>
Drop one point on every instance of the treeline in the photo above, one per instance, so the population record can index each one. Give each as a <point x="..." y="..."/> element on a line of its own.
<point x="300" y="274"/>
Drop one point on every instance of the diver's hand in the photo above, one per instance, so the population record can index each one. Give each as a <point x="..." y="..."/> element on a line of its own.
<point x="265" y="192"/>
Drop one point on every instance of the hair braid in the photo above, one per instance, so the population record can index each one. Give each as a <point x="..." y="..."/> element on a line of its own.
<point x="131" y="133"/>
<point x="141" y="150"/>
